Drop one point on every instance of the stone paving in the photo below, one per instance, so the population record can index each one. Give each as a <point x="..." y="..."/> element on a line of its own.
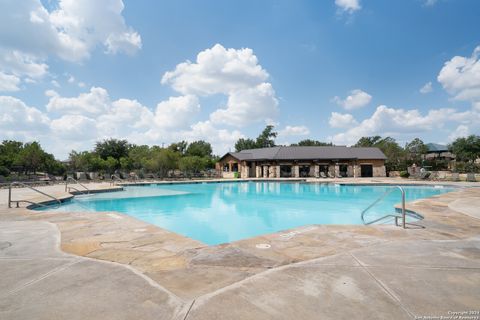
<point x="338" y="272"/>
<point x="40" y="282"/>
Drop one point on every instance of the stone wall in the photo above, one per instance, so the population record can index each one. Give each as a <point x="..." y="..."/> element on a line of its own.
<point x="228" y="175"/>
<point x="378" y="167"/>
<point x="228" y="160"/>
<point x="379" y="171"/>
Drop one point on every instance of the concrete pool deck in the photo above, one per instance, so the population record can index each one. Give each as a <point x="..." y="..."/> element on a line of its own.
<point x="112" y="266"/>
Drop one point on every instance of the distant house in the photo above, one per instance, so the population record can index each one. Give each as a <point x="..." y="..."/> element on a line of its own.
<point x="438" y="152"/>
<point x="295" y="161"/>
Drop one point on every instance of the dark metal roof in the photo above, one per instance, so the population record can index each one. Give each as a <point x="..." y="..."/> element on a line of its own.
<point x="308" y="153"/>
<point x="435" y="147"/>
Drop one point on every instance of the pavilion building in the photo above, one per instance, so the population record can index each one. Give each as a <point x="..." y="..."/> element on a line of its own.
<point x="298" y="162"/>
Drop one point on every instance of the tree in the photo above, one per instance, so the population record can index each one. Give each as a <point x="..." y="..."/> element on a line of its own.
<point x="53" y="166"/>
<point x="112" y="148"/>
<point x="87" y="161"/>
<point x="79" y="161"/>
<point x="4" y="171"/>
<point x="395" y="154"/>
<point x="245" y="144"/>
<point x="139" y="156"/>
<point x="9" y="153"/>
<point x="126" y="163"/>
<point x="31" y="157"/>
<point x="416" y="149"/>
<point x="162" y="161"/>
<point x="192" y="164"/>
<point x="388" y="145"/>
<point x="180" y="147"/>
<point x="266" y="138"/>
<point x="466" y="149"/>
<point x="111" y="164"/>
<point x="199" y="148"/>
<point x="311" y="143"/>
<point x="368" y="141"/>
<point x="95" y="163"/>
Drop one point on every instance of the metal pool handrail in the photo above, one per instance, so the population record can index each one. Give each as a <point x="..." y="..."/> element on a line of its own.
<point x="388" y="215"/>
<point x="76" y="181"/>
<point x="28" y="201"/>
<point x="113" y="179"/>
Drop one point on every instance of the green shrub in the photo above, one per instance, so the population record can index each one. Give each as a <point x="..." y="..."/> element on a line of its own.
<point x="404" y="174"/>
<point x="4" y="171"/>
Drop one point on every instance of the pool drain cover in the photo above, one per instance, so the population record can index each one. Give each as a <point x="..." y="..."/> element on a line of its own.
<point x="263" y="246"/>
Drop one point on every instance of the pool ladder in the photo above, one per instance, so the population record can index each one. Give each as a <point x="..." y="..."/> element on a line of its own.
<point x="396" y="217"/>
<point x="10" y="201"/>
<point x="67" y="188"/>
<point x="114" y="178"/>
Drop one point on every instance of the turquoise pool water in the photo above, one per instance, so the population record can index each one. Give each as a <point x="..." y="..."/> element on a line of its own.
<point x="223" y="212"/>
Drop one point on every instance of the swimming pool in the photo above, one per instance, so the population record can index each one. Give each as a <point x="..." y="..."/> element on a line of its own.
<point x="215" y="213"/>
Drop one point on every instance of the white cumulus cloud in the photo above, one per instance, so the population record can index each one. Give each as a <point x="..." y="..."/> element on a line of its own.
<point x="217" y="70"/>
<point x="355" y="100"/>
<point x="74" y="127"/>
<point x="78" y="121"/>
<point x="124" y="118"/>
<point x="341" y="120"/>
<point x="95" y="102"/>
<point x="84" y="24"/>
<point x="30" y="34"/>
<point x="176" y="112"/>
<point x="460" y="76"/>
<point x="429" y="3"/>
<point x="17" y="119"/>
<point x="9" y="82"/>
<point x="294" y="131"/>
<point x="461" y="131"/>
<point x="22" y="64"/>
<point x="247" y="106"/>
<point x="427" y="88"/>
<point x="348" y="6"/>
<point x="394" y="122"/>
<point x="232" y="72"/>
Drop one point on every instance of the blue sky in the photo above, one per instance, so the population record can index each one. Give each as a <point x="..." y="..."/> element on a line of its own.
<point x="153" y="72"/>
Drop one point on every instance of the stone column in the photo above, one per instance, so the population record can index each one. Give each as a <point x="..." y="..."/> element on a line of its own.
<point x="337" y="170"/>
<point x="258" y="171"/>
<point x="379" y="171"/>
<point x="311" y="171"/>
<point x="350" y="171"/>
<point x="272" y="171"/>
<point x="316" y="171"/>
<point x="296" y="171"/>
<point x="265" y="171"/>
<point x="356" y="171"/>
<point x="278" y="172"/>
<point x="331" y="170"/>
<point x="245" y="171"/>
